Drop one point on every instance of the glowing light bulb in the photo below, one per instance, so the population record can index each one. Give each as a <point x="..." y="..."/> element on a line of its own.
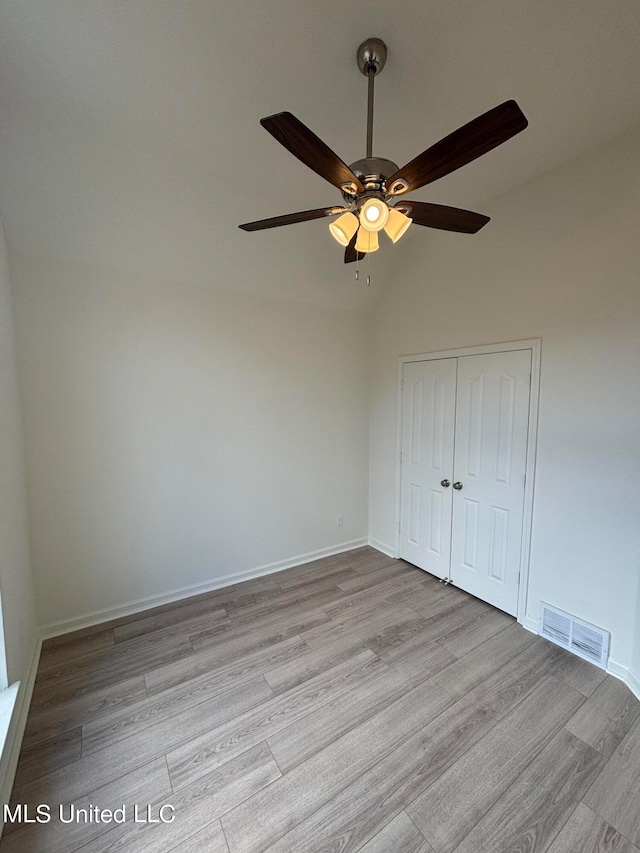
<point x="374" y="214"/>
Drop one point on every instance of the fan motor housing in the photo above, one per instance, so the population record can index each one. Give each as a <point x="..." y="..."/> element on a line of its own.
<point x="372" y="172"/>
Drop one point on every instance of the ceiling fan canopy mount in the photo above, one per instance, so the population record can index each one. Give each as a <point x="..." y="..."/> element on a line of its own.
<point x="370" y="186"/>
<point x="371" y="56"/>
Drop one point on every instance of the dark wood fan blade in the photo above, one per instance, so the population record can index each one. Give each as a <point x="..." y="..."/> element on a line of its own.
<point x="443" y="217"/>
<point x="462" y="146"/>
<point x="290" y="218"/>
<point x="309" y="149"/>
<point x="350" y="254"/>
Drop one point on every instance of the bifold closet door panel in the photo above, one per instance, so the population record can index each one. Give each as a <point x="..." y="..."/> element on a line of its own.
<point x="492" y="418"/>
<point x="428" y="422"/>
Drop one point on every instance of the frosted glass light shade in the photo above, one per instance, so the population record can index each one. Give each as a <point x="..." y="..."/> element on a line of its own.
<point x="374" y="214"/>
<point x="344" y="228"/>
<point x="367" y="241"/>
<point x="397" y="224"/>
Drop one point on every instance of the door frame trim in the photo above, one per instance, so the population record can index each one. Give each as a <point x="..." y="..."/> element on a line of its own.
<point x="535" y="347"/>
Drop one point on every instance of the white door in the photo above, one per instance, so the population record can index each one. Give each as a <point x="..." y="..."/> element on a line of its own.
<point x="492" y="419"/>
<point x="428" y="420"/>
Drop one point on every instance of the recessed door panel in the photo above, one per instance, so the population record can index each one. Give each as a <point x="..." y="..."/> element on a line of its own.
<point x="435" y="522"/>
<point x="474" y="410"/>
<point x="489" y="467"/>
<point x="428" y="419"/>
<point x="470" y="534"/>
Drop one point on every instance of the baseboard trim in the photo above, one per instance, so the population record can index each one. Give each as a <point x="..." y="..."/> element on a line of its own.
<point x="633" y="683"/>
<point x="13" y="743"/>
<point x="380" y="546"/>
<point x="625" y="674"/>
<point x="87" y="620"/>
<point x="530" y="624"/>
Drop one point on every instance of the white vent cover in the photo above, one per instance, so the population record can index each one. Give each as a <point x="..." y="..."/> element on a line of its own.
<point x="579" y="637"/>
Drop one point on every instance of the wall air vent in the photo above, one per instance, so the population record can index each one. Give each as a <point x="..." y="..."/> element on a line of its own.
<point x="579" y="637"/>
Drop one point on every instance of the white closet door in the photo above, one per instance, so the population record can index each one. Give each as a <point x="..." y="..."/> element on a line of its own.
<point x="428" y="419"/>
<point x="489" y="469"/>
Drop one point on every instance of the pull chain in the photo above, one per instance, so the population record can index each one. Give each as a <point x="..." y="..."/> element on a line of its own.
<point x="368" y="279"/>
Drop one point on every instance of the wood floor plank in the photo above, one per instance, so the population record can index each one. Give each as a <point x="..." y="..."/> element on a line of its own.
<point x="45" y="756"/>
<point x="469" y="635"/>
<point x="426" y="630"/>
<point x="238" y="670"/>
<point x="329" y="577"/>
<point x="82" y="634"/>
<point x="379" y="561"/>
<point x="256" y="584"/>
<point x="533" y="810"/>
<point x="483" y="661"/>
<point x="52" y="656"/>
<point x="148" y="783"/>
<point x="311" y="664"/>
<point x="379" y="629"/>
<point x="363" y="581"/>
<point x="406" y="587"/>
<point x="119" y="662"/>
<point x="354" y="608"/>
<point x="606" y="716"/>
<point x="257" y="633"/>
<point x="91" y="771"/>
<point x="615" y="794"/>
<point x="260" y="821"/>
<point x="175" y="616"/>
<point x="585" y="832"/>
<point x="313" y="568"/>
<point x="448" y="810"/>
<point x="425" y="603"/>
<point x="361" y="553"/>
<point x="305" y="616"/>
<point x="299" y="741"/>
<point x="216" y="746"/>
<point x="209" y="840"/>
<point x="417" y="661"/>
<point x="294" y="606"/>
<point x="579" y="674"/>
<point x="196" y="806"/>
<point x="400" y="835"/>
<point x="54" y="718"/>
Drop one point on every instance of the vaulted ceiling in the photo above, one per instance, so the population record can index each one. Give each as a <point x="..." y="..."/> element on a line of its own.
<point x="130" y="142"/>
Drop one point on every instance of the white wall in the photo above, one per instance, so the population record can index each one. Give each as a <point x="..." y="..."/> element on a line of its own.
<point x="15" y="571"/>
<point x="180" y="433"/>
<point x="560" y="261"/>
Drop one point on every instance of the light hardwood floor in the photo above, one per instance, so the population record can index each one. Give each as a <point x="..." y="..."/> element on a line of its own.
<point x="350" y="704"/>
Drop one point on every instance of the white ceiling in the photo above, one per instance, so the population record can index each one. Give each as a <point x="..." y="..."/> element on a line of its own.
<point x="129" y="134"/>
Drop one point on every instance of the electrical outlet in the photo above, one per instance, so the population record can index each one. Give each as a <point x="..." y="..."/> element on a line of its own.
<point x="340" y="520"/>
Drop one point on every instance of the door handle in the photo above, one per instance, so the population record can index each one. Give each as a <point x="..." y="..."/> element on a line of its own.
<point x="457" y="485"/>
<point x="445" y="483"/>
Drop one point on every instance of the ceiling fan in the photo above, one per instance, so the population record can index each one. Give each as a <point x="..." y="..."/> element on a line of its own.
<point x="372" y="188"/>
